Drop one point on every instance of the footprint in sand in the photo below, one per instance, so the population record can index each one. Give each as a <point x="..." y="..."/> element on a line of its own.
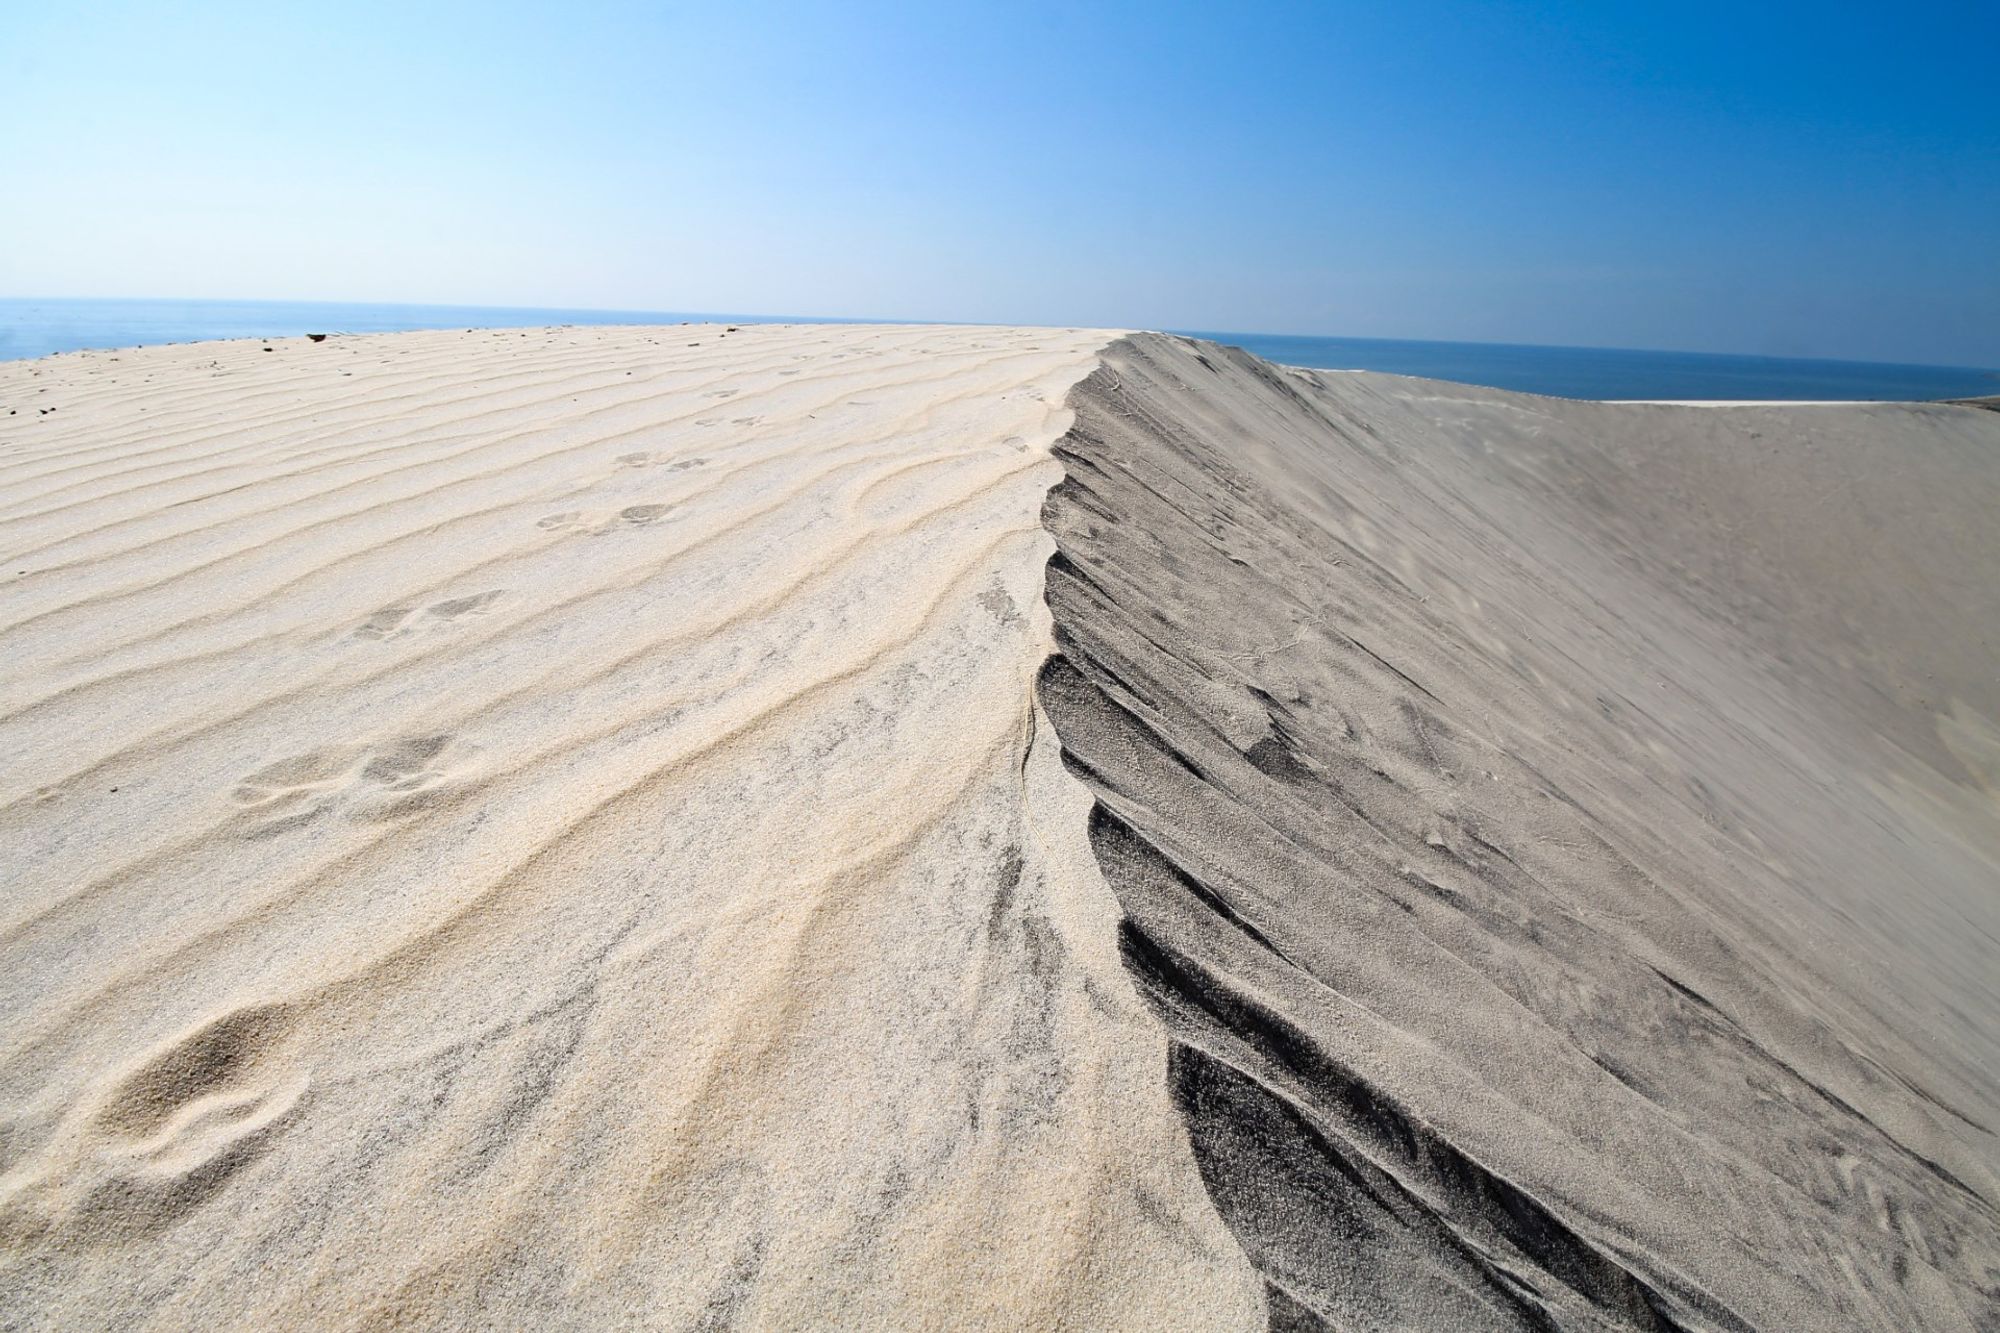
<point x="403" y="765"/>
<point x="173" y="1130"/>
<point x="401" y="777"/>
<point x="291" y="792"/>
<point x="384" y="622"/>
<point x="640" y="515"/>
<point x="382" y="781"/>
<point x="657" y="459"/>
<point x="464" y="606"/>
<point x="569" y="518"/>
<point x="289" y="779"/>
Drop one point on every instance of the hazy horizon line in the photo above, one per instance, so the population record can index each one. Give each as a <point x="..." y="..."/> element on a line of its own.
<point x="693" y="316"/>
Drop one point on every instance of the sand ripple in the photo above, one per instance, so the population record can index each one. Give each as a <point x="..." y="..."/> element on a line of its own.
<point x="546" y="827"/>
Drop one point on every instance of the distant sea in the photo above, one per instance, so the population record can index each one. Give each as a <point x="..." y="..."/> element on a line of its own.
<point x="32" y="328"/>
<point x="1606" y="372"/>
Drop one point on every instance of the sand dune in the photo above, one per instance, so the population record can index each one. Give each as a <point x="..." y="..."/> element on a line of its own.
<point x="1563" y="838"/>
<point x="546" y="828"/>
<point x="901" y="827"/>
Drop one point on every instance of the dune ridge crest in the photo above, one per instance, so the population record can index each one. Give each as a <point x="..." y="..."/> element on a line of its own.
<point x="966" y="827"/>
<point x="551" y="828"/>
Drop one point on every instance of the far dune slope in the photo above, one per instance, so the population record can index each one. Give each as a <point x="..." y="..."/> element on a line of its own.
<point x="1563" y="838"/>
<point x="546" y="829"/>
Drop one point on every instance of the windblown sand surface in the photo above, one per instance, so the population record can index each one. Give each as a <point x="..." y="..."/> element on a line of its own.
<point x="1563" y="838"/>
<point x="520" y="829"/>
<point x="942" y="828"/>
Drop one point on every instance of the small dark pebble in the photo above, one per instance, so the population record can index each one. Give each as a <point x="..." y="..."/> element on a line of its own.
<point x="315" y="337"/>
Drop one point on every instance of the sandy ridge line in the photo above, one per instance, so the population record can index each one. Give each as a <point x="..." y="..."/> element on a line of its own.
<point x="281" y="380"/>
<point x="186" y="429"/>
<point x="692" y="934"/>
<point x="489" y="883"/>
<point x="579" y="360"/>
<point x="562" y="677"/>
<point x="376" y="550"/>
<point x="340" y="437"/>
<point x="555" y="386"/>
<point x="430" y="661"/>
<point x="434" y="491"/>
<point x="432" y="439"/>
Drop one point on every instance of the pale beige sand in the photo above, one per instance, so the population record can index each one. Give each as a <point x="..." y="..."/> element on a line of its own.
<point x="549" y="828"/>
<point x="571" y="828"/>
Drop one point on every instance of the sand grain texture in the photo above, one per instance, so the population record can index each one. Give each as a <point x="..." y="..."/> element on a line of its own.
<point x="1562" y="837"/>
<point x="986" y="828"/>
<point x="546" y="829"/>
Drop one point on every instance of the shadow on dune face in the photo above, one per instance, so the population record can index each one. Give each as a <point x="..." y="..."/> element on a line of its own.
<point x="1563" y="911"/>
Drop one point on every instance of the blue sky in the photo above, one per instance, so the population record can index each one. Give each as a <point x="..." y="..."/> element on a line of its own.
<point x="1796" y="179"/>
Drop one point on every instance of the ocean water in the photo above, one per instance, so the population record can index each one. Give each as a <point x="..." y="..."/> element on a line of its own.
<point x="1604" y="372"/>
<point x="32" y="328"/>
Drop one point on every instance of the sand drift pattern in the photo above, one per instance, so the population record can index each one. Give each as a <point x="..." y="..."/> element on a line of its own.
<point x="541" y="829"/>
<point x="900" y="828"/>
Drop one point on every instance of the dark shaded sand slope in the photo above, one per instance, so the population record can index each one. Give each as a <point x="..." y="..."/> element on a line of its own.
<point x="1561" y="837"/>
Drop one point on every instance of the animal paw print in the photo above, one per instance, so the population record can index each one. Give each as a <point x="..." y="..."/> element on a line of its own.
<point x="394" y="621"/>
<point x="384" y="622"/>
<point x="383" y="781"/>
<point x="201" y="1108"/>
<point x="658" y="459"/>
<point x="292" y="792"/>
<point x="401" y="778"/>
<point x="291" y="779"/>
<point x="458" y="607"/>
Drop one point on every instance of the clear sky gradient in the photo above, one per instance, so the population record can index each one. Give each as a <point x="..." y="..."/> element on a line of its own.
<point x="1801" y="179"/>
